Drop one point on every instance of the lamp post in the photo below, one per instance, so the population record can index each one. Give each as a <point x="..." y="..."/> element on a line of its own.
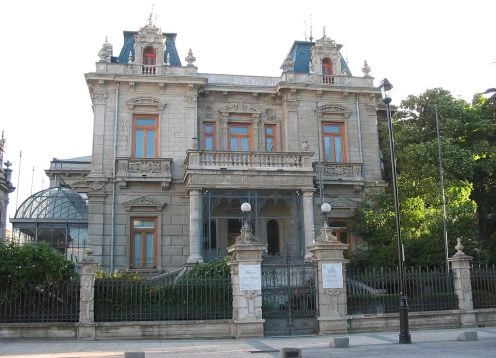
<point x="404" y="336"/>
<point x="246" y="235"/>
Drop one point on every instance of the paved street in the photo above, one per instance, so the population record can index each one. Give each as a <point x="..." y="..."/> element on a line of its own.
<point x="432" y="343"/>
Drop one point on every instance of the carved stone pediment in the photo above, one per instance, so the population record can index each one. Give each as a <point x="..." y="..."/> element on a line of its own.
<point x="342" y="203"/>
<point x="334" y="109"/>
<point x="143" y="202"/>
<point x="240" y="106"/>
<point x="145" y="101"/>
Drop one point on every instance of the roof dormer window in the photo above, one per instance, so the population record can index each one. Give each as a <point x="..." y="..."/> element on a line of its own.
<point x="149" y="60"/>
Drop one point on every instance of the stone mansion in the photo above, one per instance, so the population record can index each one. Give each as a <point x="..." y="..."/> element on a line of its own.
<point x="176" y="152"/>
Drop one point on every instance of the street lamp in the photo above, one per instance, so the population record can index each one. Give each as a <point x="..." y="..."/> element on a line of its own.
<point x="326" y="231"/>
<point x="246" y="235"/>
<point x="404" y="336"/>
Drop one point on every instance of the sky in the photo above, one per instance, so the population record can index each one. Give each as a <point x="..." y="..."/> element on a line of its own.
<point x="49" y="45"/>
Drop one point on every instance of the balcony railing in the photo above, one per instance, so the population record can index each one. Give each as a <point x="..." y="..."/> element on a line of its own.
<point x="249" y="160"/>
<point x="144" y="170"/>
<point x="349" y="172"/>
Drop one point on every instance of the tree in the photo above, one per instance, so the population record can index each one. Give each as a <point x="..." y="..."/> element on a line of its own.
<point x="467" y="142"/>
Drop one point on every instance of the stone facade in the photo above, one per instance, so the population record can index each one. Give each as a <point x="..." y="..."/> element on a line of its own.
<point x="169" y="194"/>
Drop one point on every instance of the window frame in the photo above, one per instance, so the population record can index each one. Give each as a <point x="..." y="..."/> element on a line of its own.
<point x="134" y="230"/>
<point x="273" y="136"/>
<point x="332" y="136"/>
<point x="249" y="135"/>
<point x="206" y="135"/>
<point x="146" y="129"/>
<point x="149" y="56"/>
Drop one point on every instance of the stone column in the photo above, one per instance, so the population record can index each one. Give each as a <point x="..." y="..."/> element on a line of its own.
<point x="86" y="326"/>
<point x="246" y="278"/>
<point x="331" y="276"/>
<point x="195" y="223"/>
<point x="308" y="220"/>
<point x="460" y="265"/>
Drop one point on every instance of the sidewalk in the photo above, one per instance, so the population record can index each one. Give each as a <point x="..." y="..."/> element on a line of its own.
<point x="432" y="343"/>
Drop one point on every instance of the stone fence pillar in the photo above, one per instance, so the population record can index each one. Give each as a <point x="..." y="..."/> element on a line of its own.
<point x="331" y="276"/>
<point x="86" y="326"/>
<point x="246" y="278"/>
<point x="460" y="265"/>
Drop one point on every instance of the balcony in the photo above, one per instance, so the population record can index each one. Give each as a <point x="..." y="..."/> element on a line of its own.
<point x="339" y="173"/>
<point x="143" y="170"/>
<point x="264" y="170"/>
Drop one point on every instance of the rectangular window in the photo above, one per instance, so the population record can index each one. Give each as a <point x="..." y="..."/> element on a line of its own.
<point x="145" y="136"/>
<point x="208" y="136"/>
<point x="270" y="138"/>
<point x="143" y="243"/>
<point x="333" y="142"/>
<point x="240" y="137"/>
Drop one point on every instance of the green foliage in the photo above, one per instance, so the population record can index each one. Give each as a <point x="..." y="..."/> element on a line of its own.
<point x="126" y="275"/>
<point x="25" y="266"/>
<point x="468" y="147"/>
<point x="213" y="269"/>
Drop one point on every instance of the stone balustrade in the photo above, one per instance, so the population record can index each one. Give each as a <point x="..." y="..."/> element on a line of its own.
<point x="249" y="160"/>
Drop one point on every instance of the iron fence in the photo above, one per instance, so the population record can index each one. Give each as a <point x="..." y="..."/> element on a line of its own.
<point x="40" y="303"/>
<point x="378" y="290"/>
<point x="483" y="279"/>
<point x="184" y="298"/>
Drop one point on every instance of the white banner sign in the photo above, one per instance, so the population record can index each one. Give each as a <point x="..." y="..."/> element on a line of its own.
<point x="250" y="277"/>
<point x="332" y="275"/>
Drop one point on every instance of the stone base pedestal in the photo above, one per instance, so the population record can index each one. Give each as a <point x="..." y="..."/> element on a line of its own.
<point x="332" y="325"/>
<point x="86" y="331"/>
<point x="468" y="319"/>
<point x="247" y="329"/>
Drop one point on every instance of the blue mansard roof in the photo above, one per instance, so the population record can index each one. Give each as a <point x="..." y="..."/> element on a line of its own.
<point x="170" y="48"/>
<point x="301" y="54"/>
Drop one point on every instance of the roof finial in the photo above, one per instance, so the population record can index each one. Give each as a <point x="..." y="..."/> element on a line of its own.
<point x="150" y="18"/>
<point x="324" y="32"/>
<point x="311" y="36"/>
<point x="106" y="38"/>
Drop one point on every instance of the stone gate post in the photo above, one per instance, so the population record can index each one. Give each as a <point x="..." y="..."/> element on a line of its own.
<point x="86" y="326"/>
<point x="460" y="265"/>
<point x="331" y="277"/>
<point x="246" y="278"/>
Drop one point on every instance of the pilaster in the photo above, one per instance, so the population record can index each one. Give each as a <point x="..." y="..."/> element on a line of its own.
<point x="331" y="277"/>
<point x="460" y="265"/>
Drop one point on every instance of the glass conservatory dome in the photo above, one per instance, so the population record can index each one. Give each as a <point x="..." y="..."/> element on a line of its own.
<point x="57" y="215"/>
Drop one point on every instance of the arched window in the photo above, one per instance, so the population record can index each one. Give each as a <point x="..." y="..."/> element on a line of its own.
<point x="327" y="71"/>
<point x="149" y="60"/>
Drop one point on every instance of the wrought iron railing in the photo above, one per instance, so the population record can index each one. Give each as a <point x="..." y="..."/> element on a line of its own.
<point x="185" y="299"/>
<point x="377" y="290"/>
<point x="37" y="303"/>
<point x="484" y="286"/>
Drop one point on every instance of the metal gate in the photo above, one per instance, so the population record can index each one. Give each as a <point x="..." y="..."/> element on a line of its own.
<point x="289" y="295"/>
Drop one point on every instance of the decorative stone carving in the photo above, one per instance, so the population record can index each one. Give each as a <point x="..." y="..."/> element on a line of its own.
<point x="98" y="97"/>
<point x="366" y="69"/>
<point x="190" y="59"/>
<point x="239" y="107"/>
<point x="333" y="294"/>
<point x="143" y="201"/>
<point x="334" y="109"/>
<point x="145" y="101"/>
<point x="96" y="185"/>
<point x="105" y="52"/>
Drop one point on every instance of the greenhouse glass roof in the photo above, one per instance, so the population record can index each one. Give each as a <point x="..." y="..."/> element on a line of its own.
<point x="53" y="204"/>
